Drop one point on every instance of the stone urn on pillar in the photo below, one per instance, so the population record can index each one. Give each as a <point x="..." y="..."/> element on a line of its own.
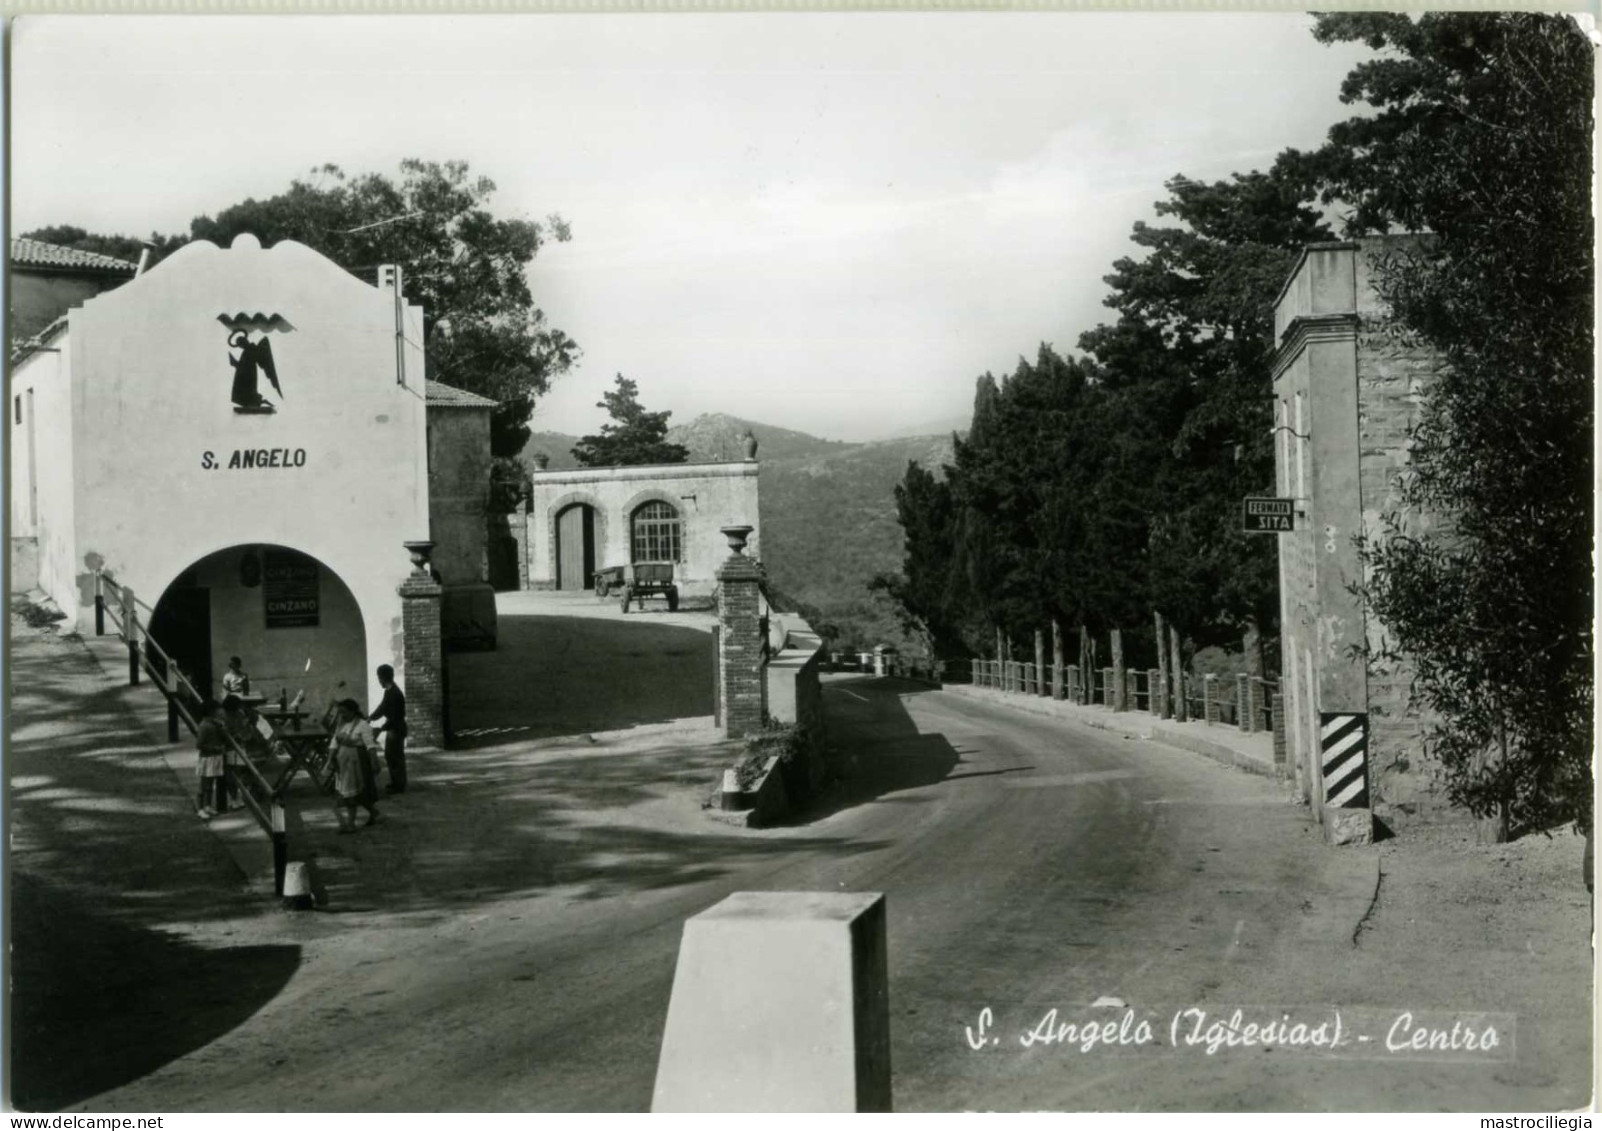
<point x="749" y="443"/>
<point x="421" y="553"/>
<point x="737" y="536"/>
<point x="541" y="461"/>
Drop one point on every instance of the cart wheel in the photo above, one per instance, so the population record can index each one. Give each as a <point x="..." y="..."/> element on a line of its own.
<point x="626" y="596"/>
<point x="673" y="600"/>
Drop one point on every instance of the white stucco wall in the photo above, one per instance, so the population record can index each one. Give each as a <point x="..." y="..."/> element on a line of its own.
<point x="155" y="432"/>
<point x="707" y="496"/>
<point x="46" y="375"/>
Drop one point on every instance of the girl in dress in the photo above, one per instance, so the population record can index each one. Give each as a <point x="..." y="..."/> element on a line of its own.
<point x="355" y="755"/>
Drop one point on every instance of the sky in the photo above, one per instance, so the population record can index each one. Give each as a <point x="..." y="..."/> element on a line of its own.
<point x="832" y="222"/>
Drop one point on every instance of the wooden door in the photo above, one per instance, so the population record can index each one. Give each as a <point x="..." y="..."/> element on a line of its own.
<point x="181" y="624"/>
<point x="575" y="548"/>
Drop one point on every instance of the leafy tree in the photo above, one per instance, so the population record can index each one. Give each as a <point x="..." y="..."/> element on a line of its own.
<point x="1481" y="134"/>
<point x="467" y="269"/>
<point x="634" y="436"/>
<point x="1191" y="356"/>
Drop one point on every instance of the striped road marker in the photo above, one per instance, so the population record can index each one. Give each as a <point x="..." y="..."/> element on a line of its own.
<point x="1345" y="744"/>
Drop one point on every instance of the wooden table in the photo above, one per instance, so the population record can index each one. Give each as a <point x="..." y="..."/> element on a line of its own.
<point x="305" y="743"/>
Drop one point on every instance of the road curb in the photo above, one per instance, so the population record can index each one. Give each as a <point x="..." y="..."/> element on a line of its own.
<point x="1132" y="724"/>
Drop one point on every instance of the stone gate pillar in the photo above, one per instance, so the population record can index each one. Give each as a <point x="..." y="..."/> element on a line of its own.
<point x="423" y="659"/>
<point x="745" y="685"/>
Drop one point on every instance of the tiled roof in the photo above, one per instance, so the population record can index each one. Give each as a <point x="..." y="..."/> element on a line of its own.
<point x="441" y="395"/>
<point x="36" y="253"/>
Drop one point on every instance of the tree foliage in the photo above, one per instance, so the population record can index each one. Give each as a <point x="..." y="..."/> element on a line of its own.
<point x="634" y="436"/>
<point x="1480" y="133"/>
<point x="1092" y="491"/>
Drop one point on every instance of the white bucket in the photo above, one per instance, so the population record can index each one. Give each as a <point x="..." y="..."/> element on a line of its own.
<point x="297" y="886"/>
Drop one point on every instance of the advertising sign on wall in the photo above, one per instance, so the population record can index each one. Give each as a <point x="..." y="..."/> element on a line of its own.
<point x="289" y="589"/>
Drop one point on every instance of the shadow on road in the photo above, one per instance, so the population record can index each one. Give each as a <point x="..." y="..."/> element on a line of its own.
<point x="557" y="675"/>
<point x="876" y="748"/>
<point x="97" y="1003"/>
<point x="593" y="819"/>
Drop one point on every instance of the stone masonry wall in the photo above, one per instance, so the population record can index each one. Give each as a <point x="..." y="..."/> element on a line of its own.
<point x="1394" y="371"/>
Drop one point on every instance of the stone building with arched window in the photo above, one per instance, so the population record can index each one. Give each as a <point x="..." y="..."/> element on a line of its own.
<point x="590" y="518"/>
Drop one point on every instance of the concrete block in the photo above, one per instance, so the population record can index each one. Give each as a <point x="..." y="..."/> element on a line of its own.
<point x="1348" y="826"/>
<point x="780" y="1004"/>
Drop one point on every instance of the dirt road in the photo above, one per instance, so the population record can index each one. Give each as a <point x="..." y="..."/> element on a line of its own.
<point x="506" y="939"/>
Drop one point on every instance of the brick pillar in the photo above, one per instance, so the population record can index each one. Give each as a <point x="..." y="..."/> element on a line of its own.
<point x="1040" y="661"/>
<point x="745" y="685"/>
<point x="1209" y="699"/>
<point x="1156" y="693"/>
<point x="1243" y="703"/>
<point x="423" y="660"/>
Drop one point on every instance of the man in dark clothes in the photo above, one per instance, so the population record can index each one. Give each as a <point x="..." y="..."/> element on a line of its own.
<point x="391" y="720"/>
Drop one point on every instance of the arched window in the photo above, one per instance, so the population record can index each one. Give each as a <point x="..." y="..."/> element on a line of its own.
<point x="656" y="533"/>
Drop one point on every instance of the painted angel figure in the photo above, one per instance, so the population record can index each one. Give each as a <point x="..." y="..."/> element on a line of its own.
<point x="254" y="357"/>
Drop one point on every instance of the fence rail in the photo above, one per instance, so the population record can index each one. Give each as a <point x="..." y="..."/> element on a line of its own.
<point x="1240" y="701"/>
<point x="257" y="792"/>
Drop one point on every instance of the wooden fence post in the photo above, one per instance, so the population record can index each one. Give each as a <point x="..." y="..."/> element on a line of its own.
<point x="1120" y="692"/>
<point x="1251" y="709"/>
<point x="1166" y="710"/>
<point x="1181" y="707"/>
<point x="1086" y="678"/>
<point x="1276" y="704"/>
<point x="130" y="633"/>
<point x="1056" y="659"/>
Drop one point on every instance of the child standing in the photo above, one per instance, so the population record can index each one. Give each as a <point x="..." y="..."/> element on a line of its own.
<point x="355" y="756"/>
<point x="211" y="741"/>
<point x="235" y="681"/>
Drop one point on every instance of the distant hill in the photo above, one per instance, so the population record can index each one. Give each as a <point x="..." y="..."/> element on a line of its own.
<point x="829" y="524"/>
<point x="716" y="436"/>
<point x="942" y="427"/>
<point x="557" y="445"/>
<point x="828" y="512"/>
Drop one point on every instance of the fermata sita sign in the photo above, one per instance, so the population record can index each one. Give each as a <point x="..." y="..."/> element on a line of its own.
<point x="1268" y="515"/>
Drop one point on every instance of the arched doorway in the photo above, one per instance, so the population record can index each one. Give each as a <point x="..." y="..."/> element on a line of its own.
<point x="575" y="547"/>
<point x="293" y="622"/>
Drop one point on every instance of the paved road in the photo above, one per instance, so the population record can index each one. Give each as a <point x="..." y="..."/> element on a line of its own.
<point x="1028" y="863"/>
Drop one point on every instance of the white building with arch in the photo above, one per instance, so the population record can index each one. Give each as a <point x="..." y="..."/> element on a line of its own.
<point x="239" y="436"/>
<point x="585" y="519"/>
